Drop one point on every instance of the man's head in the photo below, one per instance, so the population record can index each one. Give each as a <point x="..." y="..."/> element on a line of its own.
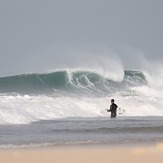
<point x="112" y="101"/>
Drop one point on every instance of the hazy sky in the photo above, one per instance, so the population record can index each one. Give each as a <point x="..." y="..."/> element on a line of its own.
<point x="38" y="35"/>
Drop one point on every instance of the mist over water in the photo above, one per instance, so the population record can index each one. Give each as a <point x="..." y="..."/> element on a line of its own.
<point x="81" y="91"/>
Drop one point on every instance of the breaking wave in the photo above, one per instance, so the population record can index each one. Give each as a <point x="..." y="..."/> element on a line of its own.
<point x="79" y="81"/>
<point x="76" y="93"/>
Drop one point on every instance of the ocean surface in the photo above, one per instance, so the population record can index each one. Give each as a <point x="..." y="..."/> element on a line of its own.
<point x="68" y="107"/>
<point x="83" y="131"/>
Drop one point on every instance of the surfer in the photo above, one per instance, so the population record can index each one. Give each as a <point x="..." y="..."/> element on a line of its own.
<point x="113" y="109"/>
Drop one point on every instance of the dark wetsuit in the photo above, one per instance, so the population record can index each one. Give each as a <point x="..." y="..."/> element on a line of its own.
<point x="113" y="110"/>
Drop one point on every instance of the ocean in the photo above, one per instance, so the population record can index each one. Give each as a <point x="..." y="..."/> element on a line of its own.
<point x="68" y="107"/>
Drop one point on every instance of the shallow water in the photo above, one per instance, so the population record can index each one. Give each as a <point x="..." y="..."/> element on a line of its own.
<point x="83" y="131"/>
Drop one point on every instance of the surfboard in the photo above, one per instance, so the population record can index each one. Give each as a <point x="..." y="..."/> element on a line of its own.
<point x="120" y="112"/>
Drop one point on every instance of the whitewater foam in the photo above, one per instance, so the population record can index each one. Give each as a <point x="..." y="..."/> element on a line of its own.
<point x="26" y="109"/>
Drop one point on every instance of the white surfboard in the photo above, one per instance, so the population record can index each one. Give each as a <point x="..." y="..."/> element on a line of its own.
<point x="120" y="112"/>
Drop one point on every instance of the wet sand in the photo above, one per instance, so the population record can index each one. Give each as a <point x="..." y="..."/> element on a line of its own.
<point x="98" y="154"/>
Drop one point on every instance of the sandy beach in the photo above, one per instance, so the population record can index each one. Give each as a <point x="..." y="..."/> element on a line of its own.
<point x="134" y="154"/>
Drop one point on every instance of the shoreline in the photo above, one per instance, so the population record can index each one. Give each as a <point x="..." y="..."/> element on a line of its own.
<point x="133" y="153"/>
<point x="82" y="145"/>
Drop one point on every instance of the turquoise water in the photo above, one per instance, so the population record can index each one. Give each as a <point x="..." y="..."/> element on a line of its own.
<point x="79" y="81"/>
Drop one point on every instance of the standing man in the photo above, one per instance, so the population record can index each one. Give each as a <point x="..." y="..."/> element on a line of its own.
<point x="113" y="109"/>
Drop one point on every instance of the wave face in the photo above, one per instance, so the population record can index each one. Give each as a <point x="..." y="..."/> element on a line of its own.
<point x="76" y="93"/>
<point x="86" y="82"/>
